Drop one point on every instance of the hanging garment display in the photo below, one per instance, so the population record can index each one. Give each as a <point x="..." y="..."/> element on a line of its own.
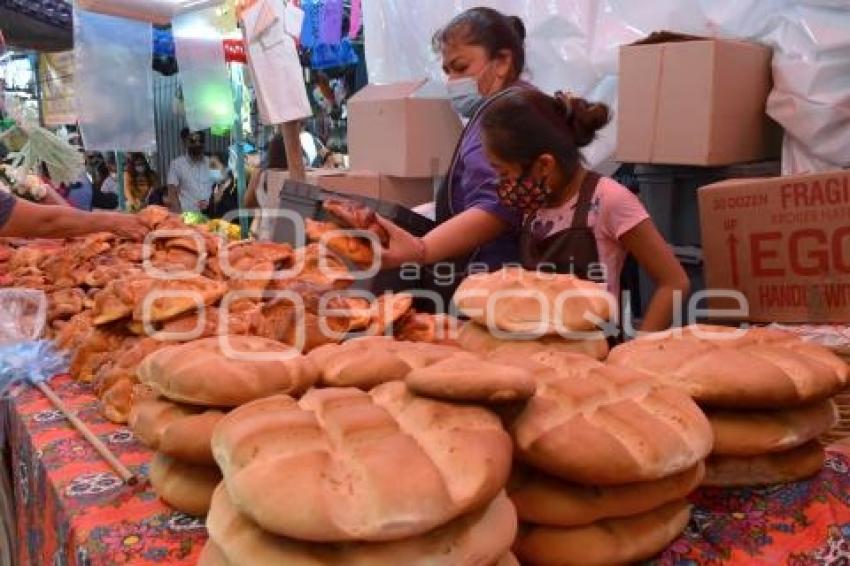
<point x="275" y="68"/>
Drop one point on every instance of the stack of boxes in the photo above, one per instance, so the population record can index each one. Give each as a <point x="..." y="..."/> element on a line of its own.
<point x="402" y="138"/>
<point x="692" y="113"/>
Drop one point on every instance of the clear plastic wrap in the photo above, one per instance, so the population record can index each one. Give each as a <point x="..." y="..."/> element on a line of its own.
<point x="23" y="315"/>
<point x="573" y="45"/>
<point x="114" y="86"/>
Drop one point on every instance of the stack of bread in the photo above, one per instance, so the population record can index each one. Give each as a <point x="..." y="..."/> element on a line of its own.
<point x="347" y="477"/>
<point x="608" y="458"/>
<point x="522" y="312"/>
<point x="191" y="387"/>
<point x="767" y="395"/>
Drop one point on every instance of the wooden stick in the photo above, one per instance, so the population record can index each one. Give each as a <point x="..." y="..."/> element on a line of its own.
<point x="126" y="475"/>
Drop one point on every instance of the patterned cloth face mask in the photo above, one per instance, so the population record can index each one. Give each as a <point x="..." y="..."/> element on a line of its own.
<point x="524" y="193"/>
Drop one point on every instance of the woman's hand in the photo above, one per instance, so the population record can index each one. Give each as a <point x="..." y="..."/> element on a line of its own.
<point x="404" y="247"/>
<point x="127" y="226"/>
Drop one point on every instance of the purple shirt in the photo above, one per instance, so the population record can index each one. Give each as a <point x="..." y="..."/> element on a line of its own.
<point x="474" y="185"/>
<point x="7" y="205"/>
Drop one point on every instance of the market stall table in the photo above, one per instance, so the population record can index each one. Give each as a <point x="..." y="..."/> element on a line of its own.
<point x="71" y="508"/>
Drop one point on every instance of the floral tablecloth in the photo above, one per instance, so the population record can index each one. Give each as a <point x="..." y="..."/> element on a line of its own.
<point x="72" y="509"/>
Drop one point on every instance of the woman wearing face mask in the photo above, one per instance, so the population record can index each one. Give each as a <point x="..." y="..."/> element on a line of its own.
<point x="139" y="181"/>
<point x="483" y="57"/>
<point x="223" y="197"/>
<point x="574" y="221"/>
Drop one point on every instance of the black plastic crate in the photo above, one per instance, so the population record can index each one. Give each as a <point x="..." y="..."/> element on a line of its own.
<point x="306" y="200"/>
<point x="669" y="193"/>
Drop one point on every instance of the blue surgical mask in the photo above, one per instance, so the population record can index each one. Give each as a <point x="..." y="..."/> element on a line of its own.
<point x="464" y="95"/>
<point x="216" y="176"/>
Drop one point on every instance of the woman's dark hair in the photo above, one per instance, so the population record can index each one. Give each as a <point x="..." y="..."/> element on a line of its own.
<point x="130" y="167"/>
<point x="487" y="28"/>
<point x="521" y="126"/>
<point x="276" y="153"/>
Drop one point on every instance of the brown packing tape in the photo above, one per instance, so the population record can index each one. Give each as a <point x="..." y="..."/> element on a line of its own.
<point x="656" y="102"/>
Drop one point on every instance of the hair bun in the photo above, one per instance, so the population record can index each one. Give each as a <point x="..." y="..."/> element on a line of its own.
<point x="584" y="118"/>
<point x="518" y="26"/>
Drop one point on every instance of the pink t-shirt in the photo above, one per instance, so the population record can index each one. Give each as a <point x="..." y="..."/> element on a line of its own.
<point x="614" y="210"/>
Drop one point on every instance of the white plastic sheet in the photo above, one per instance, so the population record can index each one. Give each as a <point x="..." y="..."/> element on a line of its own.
<point x="114" y="87"/>
<point x="573" y="45"/>
<point x="155" y="11"/>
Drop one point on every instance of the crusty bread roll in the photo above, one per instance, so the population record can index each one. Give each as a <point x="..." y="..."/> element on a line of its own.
<point x="747" y="370"/>
<point x="508" y="560"/>
<point x="475" y="338"/>
<point x="369" y="361"/>
<point x="544" y="500"/>
<point x="189" y="439"/>
<point x="610" y="425"/>
<point x="149" y="417"/>
<point x="517" y="300"/>
<point x="779" y="467"/>
<point x="480" y="537"/>
<point x="212" y="555"/>
<point x="612" y="541"/>
<point x="360" y="467"/>
<point x="740" y="433"/>
<point x="466" y="377"/>
<point x="185" y="487"/>
<point x="201" y="373"/>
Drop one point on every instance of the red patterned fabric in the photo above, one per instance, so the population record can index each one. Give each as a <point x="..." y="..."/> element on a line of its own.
<point x="72" y="509"/>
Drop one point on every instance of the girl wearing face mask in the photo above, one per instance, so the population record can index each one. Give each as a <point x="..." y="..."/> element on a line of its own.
<point x="574" y="221"/>
<point x="139" y="181"/>
<point x="483" y="57"/>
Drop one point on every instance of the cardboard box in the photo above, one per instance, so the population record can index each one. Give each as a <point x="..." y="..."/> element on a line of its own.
<point x="694" y="101"/>
<point x="408" y="192"/>
<point x="401" y="130"/>
<point x="784" y="242"/>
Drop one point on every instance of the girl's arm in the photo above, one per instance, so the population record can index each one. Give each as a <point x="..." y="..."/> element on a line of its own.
<point x="452" y="239"/>
<point x="654" y="255"/>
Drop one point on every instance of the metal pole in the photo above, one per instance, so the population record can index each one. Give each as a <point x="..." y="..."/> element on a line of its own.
<point x="119" y="173"/>
<point x="244" y="221"/>
<point x="36" y="70"/>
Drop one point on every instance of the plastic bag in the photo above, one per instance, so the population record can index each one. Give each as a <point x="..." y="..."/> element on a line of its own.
<point x="114" y="90"/>
<point x="30" y="362"/>
<point x="23" y="315"/>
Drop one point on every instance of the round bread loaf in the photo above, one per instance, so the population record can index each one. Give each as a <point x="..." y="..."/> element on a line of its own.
<point x="544" y="500"/>
<point x="204" y="373"/>
<point x="149" y="417"/>
<point x="515" y="300"/>
<point x="753" y="369"/>
<point x="212" y="555"/>
<point x="189" y="439"/>
<point x="609" y="425"/>
<point x="360" y="467"/>
<point x="466" y="377"/>
<point x="475" y="338"/>
<point x="508" y="560"/>
<point x="185" y="487"/>
<point x="612" y="541"/>
<point x="739" y="433"/>
<point x="779" y="467"/>
<point x="369" y="361"/>
<point x="481" y="537"/>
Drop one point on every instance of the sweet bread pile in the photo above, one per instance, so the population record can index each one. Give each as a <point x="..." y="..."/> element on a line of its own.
<point x="190" y="388"/>
<point x="110" y="305"/>
<point x="343" y="476"/>
<point x="608" y="458"/>
<point x="767" y="395"/>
